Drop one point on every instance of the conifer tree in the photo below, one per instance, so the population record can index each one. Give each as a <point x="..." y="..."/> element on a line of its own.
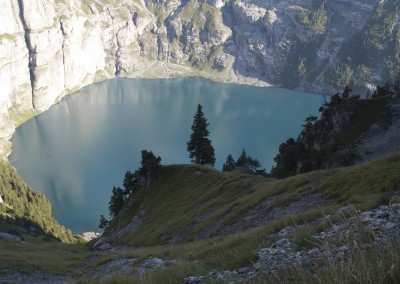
<point x="104" y="223"/>
<point x="242" y="161"/>
<point x="151" y="166"/>
<point x="246" y="161"/>
<point x="199" y="146"/>
<point x="229" y="164"/>
<point x="129" y="182"/>
<point x="116" y="201"/>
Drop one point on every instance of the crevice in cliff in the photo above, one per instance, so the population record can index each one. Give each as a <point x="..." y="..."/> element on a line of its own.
<point x="159" y="48"/>
<point x="118" y="66"/>
<point x="117" y="61"/>
<point x="31" y="49"/>
<point x="62" y="47"/>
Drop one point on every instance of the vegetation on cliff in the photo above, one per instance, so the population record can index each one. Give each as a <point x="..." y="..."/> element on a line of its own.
<point x="315" y="19"/>
<point x="327" y="141"/>
<point x="25" y="210"/>
<point x="382" y="23"/>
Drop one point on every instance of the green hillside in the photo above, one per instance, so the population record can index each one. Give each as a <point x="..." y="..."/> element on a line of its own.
<point x="25" y="210"/>
<point x="191" y="202"/>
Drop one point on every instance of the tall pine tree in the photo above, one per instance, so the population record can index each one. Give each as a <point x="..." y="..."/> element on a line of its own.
<point x="199" y="146"/>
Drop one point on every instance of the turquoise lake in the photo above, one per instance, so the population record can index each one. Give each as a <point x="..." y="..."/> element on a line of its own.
<point x="79" y="149"/>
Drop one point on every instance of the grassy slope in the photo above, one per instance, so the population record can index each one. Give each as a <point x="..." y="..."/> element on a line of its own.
<point x="41" y="254"/>
<point x="188" y="200"/>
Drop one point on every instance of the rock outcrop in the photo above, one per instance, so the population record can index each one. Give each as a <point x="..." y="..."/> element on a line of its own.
<point x="337" y="245"/>
<point x="49" y="48"/>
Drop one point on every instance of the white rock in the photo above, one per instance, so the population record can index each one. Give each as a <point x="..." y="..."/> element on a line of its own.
<point x="248" y="11"/>
<point x="49" y="69"/>
<point x="88" y="236"/>
<point x="83" y="52"/>
<point x="39" y="14"/>
<point x="9" y="17"/>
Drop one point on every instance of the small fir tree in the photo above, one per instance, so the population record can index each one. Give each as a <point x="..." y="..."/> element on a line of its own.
<point x="242" y="161"/>
<point x="229" y="164"/>
<point x="129" y="182"/>
<point x="104" y="223"/>
<point x="151" y="166"/>
<point x="253" y="164"/>
<point x="199" y="146"/>
<point x="246" y="161"/>
<point x="116" y="201"/>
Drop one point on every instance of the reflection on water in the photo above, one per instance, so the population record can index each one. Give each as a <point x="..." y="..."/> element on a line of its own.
<point x="80" y="148"/>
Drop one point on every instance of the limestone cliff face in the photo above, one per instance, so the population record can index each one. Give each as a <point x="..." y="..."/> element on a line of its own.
<point x="49" y="48"/>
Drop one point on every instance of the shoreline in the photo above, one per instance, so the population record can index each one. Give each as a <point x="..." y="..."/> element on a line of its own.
<point x="150" y="70"/>
<point x="153" y="70"/>
<point x="166" y="70"/>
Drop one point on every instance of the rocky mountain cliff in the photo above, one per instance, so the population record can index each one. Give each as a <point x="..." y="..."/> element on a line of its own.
<point x="49" y="48"/>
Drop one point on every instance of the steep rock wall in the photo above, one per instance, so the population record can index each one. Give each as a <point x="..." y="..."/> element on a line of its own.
<point x="49" y="48"/>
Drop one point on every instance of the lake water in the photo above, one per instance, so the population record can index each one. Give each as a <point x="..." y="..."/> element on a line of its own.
<point x="79" y="149"/>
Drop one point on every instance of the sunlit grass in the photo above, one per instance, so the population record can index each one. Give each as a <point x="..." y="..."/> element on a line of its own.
<point x="41" y="254"/>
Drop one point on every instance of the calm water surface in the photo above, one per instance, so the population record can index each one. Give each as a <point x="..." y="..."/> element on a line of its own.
<point x="75" y="152"/>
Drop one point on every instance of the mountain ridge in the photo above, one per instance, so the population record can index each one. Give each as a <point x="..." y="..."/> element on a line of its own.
<point x="232" y="202"/>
